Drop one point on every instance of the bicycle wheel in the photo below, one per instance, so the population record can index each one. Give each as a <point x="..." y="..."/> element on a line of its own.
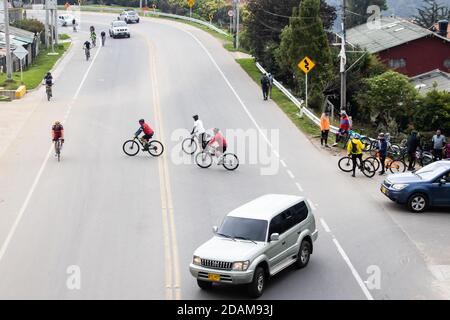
<point x="203" y="160"/>
<point x="230" y="161"/>
<point x="374" y="161"/>
<point x="131" y="148"/>
<point x="58" y="150"/>
<point x="189" y="145"/>
<point x="368" y="169"/>
<point x="346" y="164"/>
<point x="397" y="166"/>
<point x="155" y="148"/>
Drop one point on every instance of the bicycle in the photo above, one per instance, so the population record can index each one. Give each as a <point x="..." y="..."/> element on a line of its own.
<point x="205" y="158"/>
<point x="58" y="147"/>
<point x="48" y="91"/>
<point x="190" y="145"/>
<point x="131" y="147"/>
<point x="394" y="166"/>
<point x="87" y="52"/>
<point x="367" y="168"/>
<point x="103" y="40"/>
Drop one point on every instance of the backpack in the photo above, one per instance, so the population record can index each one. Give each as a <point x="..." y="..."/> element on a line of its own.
<point x="48" y="81"/>
<point x="354" y="148"/>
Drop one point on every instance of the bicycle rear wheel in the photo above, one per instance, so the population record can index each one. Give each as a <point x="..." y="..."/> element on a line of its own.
<point x="230" y="161"/>
<point x="155" y="148"/>
<point x="368" y="169"/>
<point x="189" y="145"/>
<point x="203" y="160"/>
<point x="397" y="166"/>
<point x="374" y="161"/>
<point x="58" y="150"/>
<point x="346" y="164"/>
<point x="131" y="148"/>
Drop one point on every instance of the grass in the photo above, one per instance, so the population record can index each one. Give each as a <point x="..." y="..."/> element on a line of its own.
<point x="289" y="108"/>
<point x="64" y="36"/>
<point x="33" y="76"/>
<point x="4" y="98"/>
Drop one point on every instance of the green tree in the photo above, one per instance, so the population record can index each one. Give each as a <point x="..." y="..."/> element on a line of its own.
<point x="430" y="13"/>
<point x="357" y="11"/>
<point x="433" y="112"/>
<point x="305" y="36"/>
<point x="388" y="100"/>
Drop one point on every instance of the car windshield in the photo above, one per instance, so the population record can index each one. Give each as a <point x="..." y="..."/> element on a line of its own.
<point x="430" y="171"/>
<point x="119" y="24"/>
<point x="243" y="228"/>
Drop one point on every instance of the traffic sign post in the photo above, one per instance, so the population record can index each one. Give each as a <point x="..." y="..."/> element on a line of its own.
<point x="190" y="4"/>
<point x="306" y="65"/>
<point x="231" y="14"/>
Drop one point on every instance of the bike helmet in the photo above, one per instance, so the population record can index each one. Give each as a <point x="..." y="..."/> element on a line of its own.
<point x="141" y="121"/>
<point x="195" y="117"/>
<point x="216" y="130"/>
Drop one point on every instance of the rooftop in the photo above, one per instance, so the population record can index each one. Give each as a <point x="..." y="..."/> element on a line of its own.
<point x="390" y="33"/>
<point x="424" y="82"/>
<point x="265" y="207"/>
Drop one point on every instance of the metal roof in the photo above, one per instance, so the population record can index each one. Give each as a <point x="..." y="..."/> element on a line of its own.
<point x="424" y="82"/>
<point x="390" y="33"/>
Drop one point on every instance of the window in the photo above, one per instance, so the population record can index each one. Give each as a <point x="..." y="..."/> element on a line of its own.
<point x="299" y="212"/>
<point x="447" y="63"/>
<point x="397" y="63"/>
<point x="277" y="225"/>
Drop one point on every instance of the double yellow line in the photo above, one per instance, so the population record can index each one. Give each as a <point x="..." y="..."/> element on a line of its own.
<point x="171" y="258"/>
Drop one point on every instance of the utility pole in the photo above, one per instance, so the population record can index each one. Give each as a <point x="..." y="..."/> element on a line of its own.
<point x="343" y="59"/>
<point x="46" y="25"/>
<point x="237" y="24"/>
<point x="8" y="45"/>
<point x="56" y="26"/>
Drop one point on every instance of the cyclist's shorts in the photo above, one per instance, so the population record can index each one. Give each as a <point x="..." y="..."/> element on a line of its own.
<point x="147" y="136"/>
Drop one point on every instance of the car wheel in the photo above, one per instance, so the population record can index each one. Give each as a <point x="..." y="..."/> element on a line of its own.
<point x="304" y="253"/>
<point x="418" y="202"/>
<point x="137" y="21"/>
<point x="256" y="288"/>
<point x="204" y="285"/>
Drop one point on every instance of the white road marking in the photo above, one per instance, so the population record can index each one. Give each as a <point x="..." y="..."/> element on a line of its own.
<point x="324" y="225"/>
<point x="299" y="186"/>
<point x="353" y="270"/>
<point x="283" y="163"/>
<point x="289" y="172"/>
<point x="22" y="210"/>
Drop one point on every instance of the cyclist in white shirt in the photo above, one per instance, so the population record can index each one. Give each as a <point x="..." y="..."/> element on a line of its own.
<point x="199" y="130"/>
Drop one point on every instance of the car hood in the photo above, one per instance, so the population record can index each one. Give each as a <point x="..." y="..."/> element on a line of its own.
<point x="223" y="249"/>
<point x="405" y="177"/>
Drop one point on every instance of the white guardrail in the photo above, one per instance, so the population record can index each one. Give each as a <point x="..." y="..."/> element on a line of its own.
<point x="299" y="103"/>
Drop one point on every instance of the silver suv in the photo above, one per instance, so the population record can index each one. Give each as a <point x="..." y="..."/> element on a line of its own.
<point x="256" y="241"/>
<point x="129" y="16"/>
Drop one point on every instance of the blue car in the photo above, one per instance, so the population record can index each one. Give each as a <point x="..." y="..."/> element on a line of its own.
<point x="429" y="186"/>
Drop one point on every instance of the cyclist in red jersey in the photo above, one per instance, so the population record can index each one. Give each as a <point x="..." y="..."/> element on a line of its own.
<point x="57" y="133"/>
<point x="218" y="142"/>
<point x="148" y="133"/>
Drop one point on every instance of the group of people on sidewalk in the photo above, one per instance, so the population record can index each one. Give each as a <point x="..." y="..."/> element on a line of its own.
<point x="438" y="142"/>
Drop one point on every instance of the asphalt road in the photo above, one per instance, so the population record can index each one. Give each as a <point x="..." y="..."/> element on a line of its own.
<point x="129" y="225"/>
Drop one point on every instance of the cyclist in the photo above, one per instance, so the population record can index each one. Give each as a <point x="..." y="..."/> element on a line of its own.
<point x="344" y="127"/>
<point x="382" y="147"/>
<point x="103" y="35"/>
<point x="355" y="150"/>
<point x="218" y="143"/>
<point x="93" y="38"/>
<point x="148" y="133"/>
<point x="48" y="81"/>
<point x="57" y="133"/>
<point x="92" y="29"/>
<point x="87" y="48"/>
<point x="199" y="130"/>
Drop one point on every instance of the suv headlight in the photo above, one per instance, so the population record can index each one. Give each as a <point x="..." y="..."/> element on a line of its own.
<point x="241" y="265"/>
<point x="196" y="260"/>
<point x="399" y="186"/>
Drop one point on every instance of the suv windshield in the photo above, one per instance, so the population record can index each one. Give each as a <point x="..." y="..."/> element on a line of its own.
<point x="119" y="24"/>
<point x="242" y="228"/>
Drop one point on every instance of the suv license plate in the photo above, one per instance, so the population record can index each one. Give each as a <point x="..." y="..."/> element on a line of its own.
<point x="213" y="277"/>
<point x="383" y="189"/>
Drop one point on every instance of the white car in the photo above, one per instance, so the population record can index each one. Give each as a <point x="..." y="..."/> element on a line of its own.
<point x="65" y="19"/>
<point x="119" y="29"/>
<point x="129" y="16"/>
<point x="255" y="242"/>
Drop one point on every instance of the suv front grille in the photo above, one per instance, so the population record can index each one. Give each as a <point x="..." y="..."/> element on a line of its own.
<point x="215" y="264"/>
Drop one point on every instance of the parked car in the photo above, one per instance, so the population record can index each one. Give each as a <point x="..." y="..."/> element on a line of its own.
<point x="255" y="242"/>
<point x="129" y="16"/>
<point x="65" y="19"/>
<point x="429" y="186"/>
<point x="119" y="29"/>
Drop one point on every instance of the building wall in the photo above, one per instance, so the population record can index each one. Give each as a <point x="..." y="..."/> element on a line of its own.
<point x="421" y="55"/>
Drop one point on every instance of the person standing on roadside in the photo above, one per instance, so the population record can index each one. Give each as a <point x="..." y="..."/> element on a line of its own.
<point x="382" y="147"/>
<point x="355" y="151"/>
<point x="265" y="85"/>
<point x="324" y="129"/>
<point x="438" y="141"/>
<point x="411" y="144"/>
<point x="270" y="76"/>
<point x="344" y="127"/>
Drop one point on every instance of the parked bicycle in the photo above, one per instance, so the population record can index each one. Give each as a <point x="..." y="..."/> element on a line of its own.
<point x="206" y="158"/>
<point x="394" y="166"/>
<point x="132" y="147"/>
<point x="366" y="167"/>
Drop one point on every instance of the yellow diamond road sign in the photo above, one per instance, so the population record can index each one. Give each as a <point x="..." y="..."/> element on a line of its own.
<point x="306" y="65"/>
<point x="191" y="3"/>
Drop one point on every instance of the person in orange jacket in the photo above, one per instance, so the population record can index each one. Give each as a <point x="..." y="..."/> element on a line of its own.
<point x="324" y="128"/>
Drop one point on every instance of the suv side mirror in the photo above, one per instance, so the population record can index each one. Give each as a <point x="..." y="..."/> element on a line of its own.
<point x="274" y="237"/>
<point x="215" y="229"/>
